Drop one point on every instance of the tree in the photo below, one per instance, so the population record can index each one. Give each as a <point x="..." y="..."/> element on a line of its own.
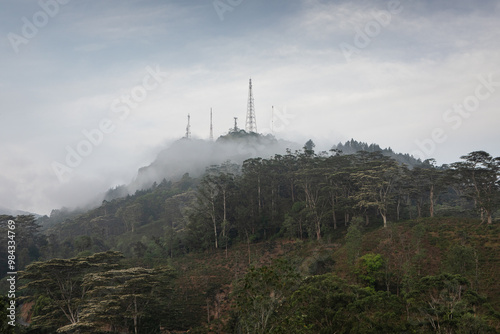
<point x="310" y="180"/>
<point x="445" y="302"/>
<point x="309" y="147"/>
<point x="29" y="241"/>
<point x="369" y="269"/>
<point x="117" y="296"/>
<point x="376" y="181"/>
<point x="328" y="304"/>
<point x="479" y="176"/>
<point x="425" y="184"/>
<point x="5" y="327"/>
<point x="205" y="204"/>
<point x="61" y="281"/>
<point x="260" y="293"/>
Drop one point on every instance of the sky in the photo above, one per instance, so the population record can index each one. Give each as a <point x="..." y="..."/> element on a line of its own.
<point x="90" y="91"/>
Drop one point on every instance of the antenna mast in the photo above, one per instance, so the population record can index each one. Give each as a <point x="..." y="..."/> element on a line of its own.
<point x="211" y="127"/>
<point x="272" y="121"/>
<point x="188" y="128"/>
<point x="235" y="124"/>
<point x="251" y="124"/>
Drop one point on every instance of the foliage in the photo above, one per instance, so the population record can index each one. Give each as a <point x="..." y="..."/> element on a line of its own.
<point x="260" y="294"/>
<point x="61" y="281"/>
<point x="328" y="304"/>
<point x="369" y="269"/>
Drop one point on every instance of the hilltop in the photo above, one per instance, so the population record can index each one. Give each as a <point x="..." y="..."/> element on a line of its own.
<point x="193" y="156"/>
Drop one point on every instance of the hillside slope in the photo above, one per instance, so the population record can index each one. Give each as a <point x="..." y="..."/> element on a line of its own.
<point x="410" y="250"/>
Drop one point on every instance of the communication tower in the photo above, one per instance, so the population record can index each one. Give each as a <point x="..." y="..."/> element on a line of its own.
<point x="188" y="128"/>
<point x="251" y="123"/>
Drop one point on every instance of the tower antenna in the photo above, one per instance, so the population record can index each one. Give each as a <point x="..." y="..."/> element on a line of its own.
<point x="188" y="128"/>
<point x="235" y="124"/>
<point x="211" y="127"/>
<point x="272" y="120"/>
<point x="251" y="123"/>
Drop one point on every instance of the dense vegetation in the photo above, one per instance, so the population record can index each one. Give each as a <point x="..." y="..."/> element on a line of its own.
<point x="298" y="243"/>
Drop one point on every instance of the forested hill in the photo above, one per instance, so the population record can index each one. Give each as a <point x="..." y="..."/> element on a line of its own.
<point x="352" y="146"/>
<point x="194" y="155"/>
<point x="357" y="229"/>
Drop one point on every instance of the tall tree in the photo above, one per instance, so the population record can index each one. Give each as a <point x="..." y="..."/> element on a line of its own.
<point x="376" y="179"/>
<point x="310" y="179"/>
<point x="61" y="281"/>
<point x="479" y="176"/>
<point x="119" y="298"/>
<point x="260" y="293"/>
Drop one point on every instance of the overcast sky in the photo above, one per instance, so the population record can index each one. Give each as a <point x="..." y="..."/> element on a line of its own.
<point x="421" y="77"/>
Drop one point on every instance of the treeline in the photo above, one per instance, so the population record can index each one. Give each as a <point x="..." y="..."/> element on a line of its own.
<point x="305" y="195"/>
<point x="300" y="195"/>
<point x="399" y="286"/>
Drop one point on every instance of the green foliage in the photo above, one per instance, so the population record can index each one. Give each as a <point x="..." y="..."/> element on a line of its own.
<point x="260" y="294"/>
<point x="5" y="327"/>
<point x="369" y="269"/>
<point x="461" y="260"/>
<point x="328" y="304"/>
<point x="59" y="283"/>
<point x="353" y="241"/>
<point x="29" y="242"/>
<point x="445" y="303"/>
<point x="120" y="298"/>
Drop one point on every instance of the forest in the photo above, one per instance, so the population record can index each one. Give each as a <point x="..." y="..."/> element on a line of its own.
<point x="304" y="242"/>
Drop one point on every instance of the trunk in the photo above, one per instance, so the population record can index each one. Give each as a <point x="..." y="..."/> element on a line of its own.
<point x="224" y="219"/>
<point x="214" y="221"/>
<point x="431" y="197"/>
<point x="384" y="217"/>
<point x="248" y="244"/>
<point x="397" y="209"/>
<point x="258" y="193"/>
<point x="367" y="220"/>
<point x="419" y="210"/>
<point x="408" y="203"/>
<point x="208" y="311"/>
<point x="135" y="315"/>
<point x="272" y="202"/>
<point x="490" y="219"/>
<point x="300" y="228"/>
<point x="334" y="219"/>
<point x="318" y="229"/>
<point x="333" y="213"/>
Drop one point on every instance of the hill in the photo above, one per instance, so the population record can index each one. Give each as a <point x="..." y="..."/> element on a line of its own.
<point x="409" y="250"/>
<point x="352" y="146"/>
<point x="193" y="156"/>
<point x="377" y="246"/>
